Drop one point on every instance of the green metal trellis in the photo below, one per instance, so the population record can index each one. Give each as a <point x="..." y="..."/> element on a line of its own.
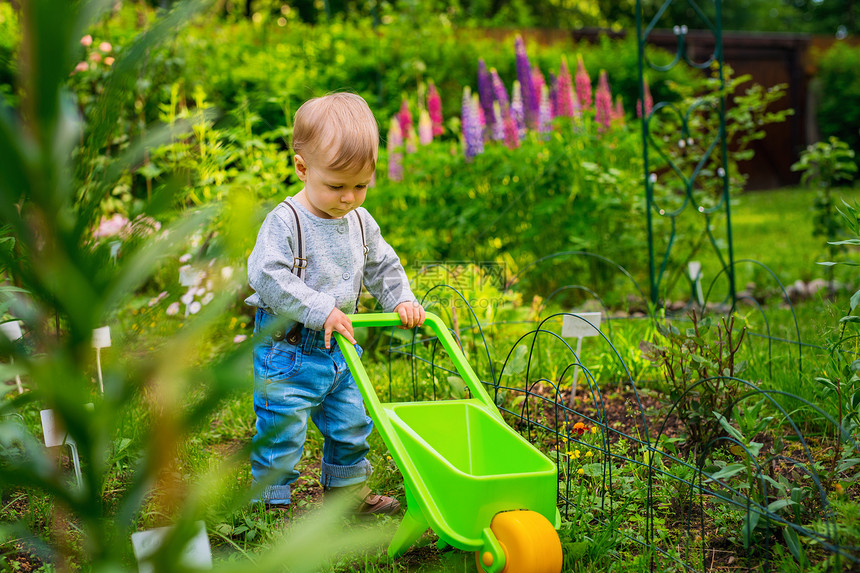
<point x="669" y="168"/>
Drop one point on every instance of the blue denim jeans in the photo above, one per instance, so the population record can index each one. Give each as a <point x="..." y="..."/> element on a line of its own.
<point x="291" y="383"/>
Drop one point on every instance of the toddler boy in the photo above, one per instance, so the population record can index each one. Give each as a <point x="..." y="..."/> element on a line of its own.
<point x="311" y="255"/>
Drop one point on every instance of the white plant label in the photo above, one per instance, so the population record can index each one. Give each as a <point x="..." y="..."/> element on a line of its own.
<point x="196" y="555"/>
<point x="575" y="327"/>
<point x="188" y="276"/>
<point x="101" y="337"/>
<point x="52" y="430"/>
<point x="12" y="330"/>
<point x="694" y="268"/>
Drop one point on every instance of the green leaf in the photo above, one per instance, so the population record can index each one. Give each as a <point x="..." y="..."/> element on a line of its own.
<point x="518" y="361"/>
<point x="727" y="472"/>
<point x="457" y="386"/>
<point x="792" y="541"/>
<point x="855" y="300"/>
<point x="750" y="524"/>
<point x="731" y="430"/>
<point x="849" y="319"/>
<point x="775" y="506"/>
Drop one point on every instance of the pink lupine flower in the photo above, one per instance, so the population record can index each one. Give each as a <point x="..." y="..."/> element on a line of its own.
<point x="404" y="116"/>
<point x="172" y="309"/>
<point x="87" y="41"/>
<point x="95" y="57"/>
<point x="583" y="84"/>
<point x="538" y="79"/>
<point x="473" y="139"/>
<point x="649" y="101"/>
<point x="512" y="133"/>
<point x="434" y="106"/>
<point x="81" y="67"/>
<point x="395" y="151"/>
<point x="618" y="111"/>
<point x="105" y="47"/>
<point x="517" y="111"/>
<point x="116" y="225"/>
<point x="425" y="128"/>
<point x="565" y="94"/>
<point x="603" y="103"/>
<point x="239" y="338"/>
<point x="108" y="61"/>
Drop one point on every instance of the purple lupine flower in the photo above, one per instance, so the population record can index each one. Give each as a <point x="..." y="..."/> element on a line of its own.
<point x="500" y="92"/>
<point x="517" y="111"/>
<point x="603" y="103"/>
<point x="404" y="116"/>
<point x="545" y="113"/>
<point x="498" y="122"/>
<point x="649" y="101"/>
<point x="618" y="111"/>
<point x="583" y="84"/>
<point x="553" y="94"/>
<point x="425" y="128"/>
<point x="531" y="99"/>
<point x="472" y="138"/>
<point x="395" y="150"/>
<point x="485" y="92"/>
<point x="565" y="91"/>
<point x="434" y="106"/>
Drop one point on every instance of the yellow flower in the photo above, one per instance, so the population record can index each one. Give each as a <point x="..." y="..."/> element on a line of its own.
<point x="580" y="471"/>
<point x="576" y="454"/>
<point x="589" y="453"/>
<point x="593" y="429"/>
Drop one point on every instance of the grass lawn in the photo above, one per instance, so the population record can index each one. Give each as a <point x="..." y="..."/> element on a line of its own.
<point x="775" y="228"/>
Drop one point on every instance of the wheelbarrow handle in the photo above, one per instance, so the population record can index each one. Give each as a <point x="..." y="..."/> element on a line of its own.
<point x="440" y="329"/>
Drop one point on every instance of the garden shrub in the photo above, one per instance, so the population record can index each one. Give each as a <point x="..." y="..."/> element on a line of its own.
<point x="840" y="87"/>
<point x="574" y="190"/>
<point x="9" y="39"/>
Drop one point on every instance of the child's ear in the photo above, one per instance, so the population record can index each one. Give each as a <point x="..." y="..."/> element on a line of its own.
<point x="301" y="167"/>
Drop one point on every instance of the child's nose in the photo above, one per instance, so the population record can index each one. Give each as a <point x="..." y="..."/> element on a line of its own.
<point x="347" y="197"/>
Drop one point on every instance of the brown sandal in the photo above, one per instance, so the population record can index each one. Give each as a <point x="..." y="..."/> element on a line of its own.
<point x="369" y="503"/>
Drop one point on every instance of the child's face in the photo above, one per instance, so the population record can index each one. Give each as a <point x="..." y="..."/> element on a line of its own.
<point x="332" y="194"/>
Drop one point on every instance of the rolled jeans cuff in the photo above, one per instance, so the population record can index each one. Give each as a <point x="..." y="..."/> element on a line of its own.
<point x="332" y="475"/>
<point x="275" y="494"/>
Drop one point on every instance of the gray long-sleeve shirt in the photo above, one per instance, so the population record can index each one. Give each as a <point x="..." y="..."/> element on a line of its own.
<point x="333" y="275"/>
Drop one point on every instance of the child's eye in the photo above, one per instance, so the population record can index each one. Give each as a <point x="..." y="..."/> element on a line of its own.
<point x="335" y="187"/>
<point x="361" y="186"/>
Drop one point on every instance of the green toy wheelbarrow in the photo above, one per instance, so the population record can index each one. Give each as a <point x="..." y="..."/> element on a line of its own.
<point x="467" y="474"/>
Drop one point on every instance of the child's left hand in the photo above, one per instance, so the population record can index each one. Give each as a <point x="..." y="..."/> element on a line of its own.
<point x="411" y="314"/>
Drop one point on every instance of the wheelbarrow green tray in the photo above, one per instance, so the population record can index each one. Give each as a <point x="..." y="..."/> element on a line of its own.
<point x="462" y="465"/>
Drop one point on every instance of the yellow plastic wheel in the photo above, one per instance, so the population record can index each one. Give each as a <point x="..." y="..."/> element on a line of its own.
<point x="530" y="543"/>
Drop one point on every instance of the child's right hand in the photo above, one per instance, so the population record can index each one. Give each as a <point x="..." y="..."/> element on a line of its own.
<point x="337" y="321"/>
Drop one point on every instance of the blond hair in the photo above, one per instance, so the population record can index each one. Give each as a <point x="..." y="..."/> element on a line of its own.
<point x="339" y="122"/>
